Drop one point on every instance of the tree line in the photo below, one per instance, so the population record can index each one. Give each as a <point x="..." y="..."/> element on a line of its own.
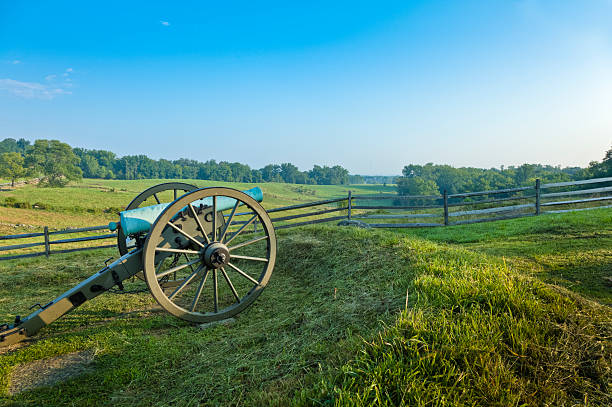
<point x="59" y="163"/>
<point x="432" y="179"/>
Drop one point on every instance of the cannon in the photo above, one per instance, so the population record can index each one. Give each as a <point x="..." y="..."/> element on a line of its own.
<point x="220" y="236"/>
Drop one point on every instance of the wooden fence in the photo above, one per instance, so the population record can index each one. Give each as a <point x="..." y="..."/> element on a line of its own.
<point x="396" y="211"/>
<point x="48" y="243"/>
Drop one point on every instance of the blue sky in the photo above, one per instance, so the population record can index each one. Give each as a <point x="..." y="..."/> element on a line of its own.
<point x="371" y="86"/>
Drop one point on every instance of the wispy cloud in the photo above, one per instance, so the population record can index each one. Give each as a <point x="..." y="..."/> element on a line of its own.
<point x="15" y="62"/>
<point x="50" y="77"/>
<point x="164" y="23"/>
<point x="32" y="90"/>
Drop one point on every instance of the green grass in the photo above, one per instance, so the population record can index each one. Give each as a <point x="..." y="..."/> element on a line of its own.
<point x="110" y="196"/>
<point x="460" y="315"/>
<point x="573" y="250"/>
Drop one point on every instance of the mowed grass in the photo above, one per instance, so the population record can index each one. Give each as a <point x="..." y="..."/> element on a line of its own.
<point x="448" y="316"/>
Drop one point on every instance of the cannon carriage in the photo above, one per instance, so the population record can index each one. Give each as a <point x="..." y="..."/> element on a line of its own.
<point x="199" y="255"/>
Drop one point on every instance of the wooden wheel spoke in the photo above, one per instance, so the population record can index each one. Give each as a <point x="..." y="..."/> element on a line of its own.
<point x="171" y="250"/>
<point x="196" y="298"/>
<point x="185" y="283"/>
<point x="241" y="229"/>
<point x="175" y="194"/>
<point x="188" y="294"/>
<point x="195" y="216"/>
<point x="235" y="256"/>
<point x="159" y="266"/>
<point x="216" y="290"/>
<point x="177" y="268"/>
<point x="247" y="243"/>
<point x="231" y="286"/>
<point x="156" y="198"/>
<point x="179" y="230"/>
<point x="187" y="258"/>
<point x="243" y="274"/>
<point x="214" y="219"/>
<point x="229" y="221"/>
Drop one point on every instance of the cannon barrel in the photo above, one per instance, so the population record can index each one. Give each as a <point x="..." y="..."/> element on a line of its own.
<point x="140" y="219"/>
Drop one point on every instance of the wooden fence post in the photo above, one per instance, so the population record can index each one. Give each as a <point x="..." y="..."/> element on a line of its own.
<point x="47" y="251"/>
<point x="350" y="198"/>
<point x="445" y="208"/>
<point x="537" y="191"/>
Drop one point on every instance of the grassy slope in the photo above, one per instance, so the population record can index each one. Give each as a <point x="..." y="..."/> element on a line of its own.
<point x="572" y="250"/>
<point x="329" y="327"/>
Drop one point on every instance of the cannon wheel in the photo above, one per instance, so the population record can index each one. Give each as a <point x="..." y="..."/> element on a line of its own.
<point x="213" y="256"/>
<point x="179" y="189"/>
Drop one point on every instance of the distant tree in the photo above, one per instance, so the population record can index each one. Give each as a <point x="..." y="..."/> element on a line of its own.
<point x="256" y="176"/>
<point x="55" y="161"/>
<point x="96" y="163"/>
<point x="356" y="179"/>
<point x="606" y="164"/>
<point x="10" y="145"/>
<point x="600" y="169"/>
<point x="271" y="173"/>
<point x="416" y="186"/>
<point x="22" y="145"/>
<point x="241" y="172"/>
<point x="223" y="172"/>
<point x="289" y="173"/>
<point x="11" y="166"/>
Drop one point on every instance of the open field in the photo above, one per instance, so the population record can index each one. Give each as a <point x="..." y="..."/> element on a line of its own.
<point x="462" y="315"/>
<point x="103" y="197"/>
<point x="95" y="202"/>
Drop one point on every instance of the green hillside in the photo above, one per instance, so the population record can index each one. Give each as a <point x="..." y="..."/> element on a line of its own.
<point x="455" y="316"/>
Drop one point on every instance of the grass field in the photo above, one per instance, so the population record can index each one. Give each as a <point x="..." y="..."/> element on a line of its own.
<point x="506" y="313"/>
<point x="97" y="196"/>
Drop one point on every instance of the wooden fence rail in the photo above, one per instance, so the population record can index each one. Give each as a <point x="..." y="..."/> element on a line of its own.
<point x="47" y="242"/>
<point x="472" y="207"/>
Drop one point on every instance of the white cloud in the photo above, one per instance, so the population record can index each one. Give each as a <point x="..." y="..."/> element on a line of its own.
<point x="15" y="62"/>
<point x="164" y="23"/>
<point x="31" y="90"/>
<point x="50" y="77"/>
<point x="69" y="70"/>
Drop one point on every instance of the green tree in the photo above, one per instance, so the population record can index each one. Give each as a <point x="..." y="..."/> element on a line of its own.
<point x="600" y="169"/>
<point x="289" y="173"/>
<point x="271" y="173"/>
<point x="55" y="161"/>
<point x="9" y="145"/>
<point x="416" y="186"/>
<point x="11" y="166"/>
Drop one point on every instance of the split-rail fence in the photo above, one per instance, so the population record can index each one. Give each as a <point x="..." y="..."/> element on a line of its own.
<point x="386" y="211"/>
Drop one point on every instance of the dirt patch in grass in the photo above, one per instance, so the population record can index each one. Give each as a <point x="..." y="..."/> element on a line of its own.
<point x="48" y="372"/>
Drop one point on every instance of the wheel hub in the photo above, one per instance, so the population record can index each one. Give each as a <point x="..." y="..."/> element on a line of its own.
<point x="215" y="255"/>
